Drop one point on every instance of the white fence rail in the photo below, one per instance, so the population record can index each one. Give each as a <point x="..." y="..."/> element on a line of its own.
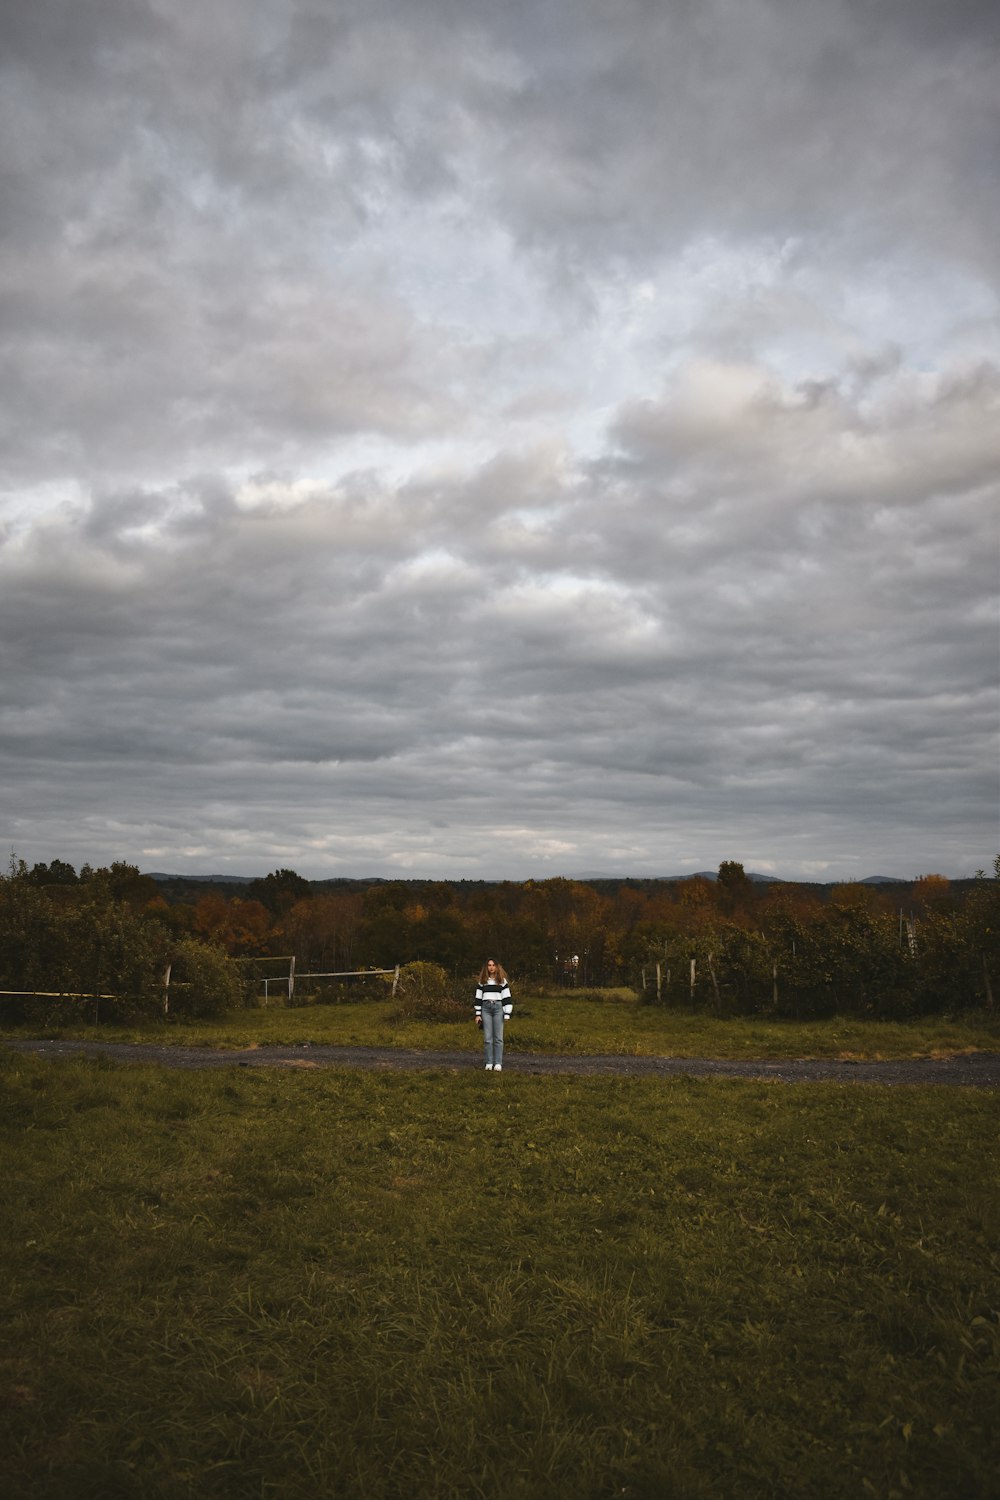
<point x="288" y="980"/>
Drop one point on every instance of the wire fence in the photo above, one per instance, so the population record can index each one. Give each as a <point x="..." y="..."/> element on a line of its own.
<point x="293" y="982"/>
<point x="311" y="985"/>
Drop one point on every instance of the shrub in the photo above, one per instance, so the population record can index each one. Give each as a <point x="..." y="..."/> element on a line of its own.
<point x="204" y="980"/>
<point x="426" y="992"/>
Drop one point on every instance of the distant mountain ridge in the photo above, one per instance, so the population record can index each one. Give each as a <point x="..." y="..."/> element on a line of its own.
<point x="759" y="879"/>
<point x="753" y="875"/>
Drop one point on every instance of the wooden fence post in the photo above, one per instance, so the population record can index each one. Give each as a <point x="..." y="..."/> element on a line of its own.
<point x="659" y="985"/>
<point x="692" y="980"/>
<point x="291" y="978"/>
<point x="395" y="981"/>
<point x="166" y="990"/>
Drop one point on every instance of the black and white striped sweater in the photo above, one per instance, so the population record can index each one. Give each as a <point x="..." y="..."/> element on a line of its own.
<point x="494" y="989"/>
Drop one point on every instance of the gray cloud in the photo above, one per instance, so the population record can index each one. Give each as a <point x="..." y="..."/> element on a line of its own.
<point x="498" y="440"/>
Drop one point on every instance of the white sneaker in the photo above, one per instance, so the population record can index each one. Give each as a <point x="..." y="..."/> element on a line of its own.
<point x="498" y="1067"/>
<point x="489" y="1067"/>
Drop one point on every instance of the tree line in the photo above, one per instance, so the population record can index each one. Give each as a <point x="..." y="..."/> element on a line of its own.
<point x="727" y="944"/>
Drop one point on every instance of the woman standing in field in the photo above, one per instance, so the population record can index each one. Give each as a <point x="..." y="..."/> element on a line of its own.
<point x="493" y="1007"/>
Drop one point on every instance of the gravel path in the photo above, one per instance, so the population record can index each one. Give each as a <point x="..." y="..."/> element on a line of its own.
<point x="974" y="1070"/>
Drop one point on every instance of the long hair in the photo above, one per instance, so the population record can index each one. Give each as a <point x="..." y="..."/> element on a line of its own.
<point x="501" y="973"/>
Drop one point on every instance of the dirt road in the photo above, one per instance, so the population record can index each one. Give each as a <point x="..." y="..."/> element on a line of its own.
<point x="974" y="1070"/>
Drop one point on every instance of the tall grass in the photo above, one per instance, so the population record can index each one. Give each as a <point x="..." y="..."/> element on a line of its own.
<point x="326" y="1283"/>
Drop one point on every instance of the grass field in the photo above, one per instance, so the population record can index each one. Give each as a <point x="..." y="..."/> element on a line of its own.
<point x="615" y="1023"/>
<point x="289" y="1285"/>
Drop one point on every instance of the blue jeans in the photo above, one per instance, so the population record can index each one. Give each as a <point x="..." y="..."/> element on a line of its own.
<point x="493" y="1032"/>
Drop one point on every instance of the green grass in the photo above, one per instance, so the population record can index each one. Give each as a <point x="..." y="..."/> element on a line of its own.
<point x="566" y="1025"/>
<point x="328" y="1283"/>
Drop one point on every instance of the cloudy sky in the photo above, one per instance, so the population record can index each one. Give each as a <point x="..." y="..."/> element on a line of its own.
<point x="462" y="439"/>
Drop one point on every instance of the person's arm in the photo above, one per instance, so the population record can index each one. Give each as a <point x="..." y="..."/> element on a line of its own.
<point x="479" y="1005"/>
<point x="507" y="1001"/>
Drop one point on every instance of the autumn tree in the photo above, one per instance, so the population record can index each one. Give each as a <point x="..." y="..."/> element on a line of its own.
<point x="243" y="928"/>
<point x="853" y="895"/>
<point x="734" y="888"/>
<point x="696" y="903"/>
<point x="322" y="930"/>
<point x="123" y="882"/>
<point x="56" y="873"/>
<point x="931" y="893"/>
<point x="280" y="890"/>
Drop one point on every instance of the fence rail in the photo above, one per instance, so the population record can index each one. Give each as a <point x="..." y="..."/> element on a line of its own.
<point x="59" y="995"/>
<point x="285" y="980"/>
<point x="290" y="978"/>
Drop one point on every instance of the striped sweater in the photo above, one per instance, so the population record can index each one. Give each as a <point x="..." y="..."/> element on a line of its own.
<point x="494" y="989"/>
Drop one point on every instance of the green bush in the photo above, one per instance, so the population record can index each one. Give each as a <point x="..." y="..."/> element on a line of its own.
<point x="204" y="980"/>
<point x="426" y="992"/>
<point x="90" y="945"/>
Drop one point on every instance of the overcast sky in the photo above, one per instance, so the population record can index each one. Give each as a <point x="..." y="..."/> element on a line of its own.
<point x="460" y="439"/>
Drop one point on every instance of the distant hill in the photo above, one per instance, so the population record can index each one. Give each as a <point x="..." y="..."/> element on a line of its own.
<point x="757" y="878"/>
<point x="694" y="875"/>
<point x="780" y="880"/>
<point x="753" y="875"/>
